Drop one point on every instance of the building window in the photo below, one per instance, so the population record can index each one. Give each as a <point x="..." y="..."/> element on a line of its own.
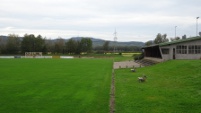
<point x="165" y="51"/>
<point x="181" y="49"/>
<point x="194" y="49"/>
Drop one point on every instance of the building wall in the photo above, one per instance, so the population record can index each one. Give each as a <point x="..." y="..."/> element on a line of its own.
<point x="180" y="56"/>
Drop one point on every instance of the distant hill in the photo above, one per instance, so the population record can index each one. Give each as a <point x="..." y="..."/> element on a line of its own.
<point x="100" y="42"/>
<point x="3" y="37"/>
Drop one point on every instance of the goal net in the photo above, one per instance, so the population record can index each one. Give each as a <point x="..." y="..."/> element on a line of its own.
<point x="33" y="54"/>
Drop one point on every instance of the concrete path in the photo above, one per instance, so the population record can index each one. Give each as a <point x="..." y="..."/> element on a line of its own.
<point x="125" y="64"/>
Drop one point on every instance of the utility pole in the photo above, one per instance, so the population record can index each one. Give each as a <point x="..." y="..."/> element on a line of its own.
<point x="197" y="26"/>
<point x="175" y="32"/>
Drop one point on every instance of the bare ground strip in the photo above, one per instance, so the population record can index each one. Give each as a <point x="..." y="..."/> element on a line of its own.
<point x="112" y="94"/>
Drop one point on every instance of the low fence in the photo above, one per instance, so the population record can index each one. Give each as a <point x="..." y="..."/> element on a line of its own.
<point x="66" y="57"/>
<point x="7" y="56"/>
<point x="38" y="57"/>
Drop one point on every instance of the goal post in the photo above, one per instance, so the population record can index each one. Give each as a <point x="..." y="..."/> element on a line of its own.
<point x="33" y="54"/>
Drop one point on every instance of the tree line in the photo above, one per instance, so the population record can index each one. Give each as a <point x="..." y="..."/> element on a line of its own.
<point x="31" y="43"/>
<point x="13" y="44"/>
<point x="106" y="48"/>
<point x="162" y="38"/>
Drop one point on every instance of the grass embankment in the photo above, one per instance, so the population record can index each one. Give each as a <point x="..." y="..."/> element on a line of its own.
<point x="55" y="85"/>
<point x="171" y="87"/>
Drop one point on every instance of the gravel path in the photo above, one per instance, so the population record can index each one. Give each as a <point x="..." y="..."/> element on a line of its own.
<point x="125" y="64"/>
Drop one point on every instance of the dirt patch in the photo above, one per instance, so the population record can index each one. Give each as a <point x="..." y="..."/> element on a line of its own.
<point x="112" y="94"/>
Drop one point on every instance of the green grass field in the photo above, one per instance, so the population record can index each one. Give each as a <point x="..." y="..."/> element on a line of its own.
<point x="83" y="86"/>
<point x="55" y="85"/>
<point x="171" y="87"/>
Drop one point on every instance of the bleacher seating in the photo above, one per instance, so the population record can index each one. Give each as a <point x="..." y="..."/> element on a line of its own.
<point x="148" y="61"/>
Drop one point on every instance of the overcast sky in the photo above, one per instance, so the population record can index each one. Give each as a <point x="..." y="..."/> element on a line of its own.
<point x="134" y="20"/>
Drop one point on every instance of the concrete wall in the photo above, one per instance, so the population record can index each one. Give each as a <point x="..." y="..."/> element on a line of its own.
<point x="181" y="56"/>
<point x="170" y="55"/>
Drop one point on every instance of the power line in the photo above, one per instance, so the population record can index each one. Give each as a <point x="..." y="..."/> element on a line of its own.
<point x="115" y="40"/>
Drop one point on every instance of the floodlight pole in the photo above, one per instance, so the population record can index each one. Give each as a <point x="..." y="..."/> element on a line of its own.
<point x="175" y="31"/>
<point x="197" y="26"/>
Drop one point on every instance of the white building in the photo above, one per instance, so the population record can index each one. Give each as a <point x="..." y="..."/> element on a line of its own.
<point x="189" y="48"/>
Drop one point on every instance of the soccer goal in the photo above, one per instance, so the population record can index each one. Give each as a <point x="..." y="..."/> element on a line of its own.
<point x="33" y="54"/>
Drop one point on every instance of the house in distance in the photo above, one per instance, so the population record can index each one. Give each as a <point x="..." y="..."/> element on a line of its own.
<point x="189" y="48"/>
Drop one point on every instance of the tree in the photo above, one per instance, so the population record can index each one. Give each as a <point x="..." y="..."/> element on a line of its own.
<point x="78" y="47"/>
<point x="148" y="43"/>
<point x="71" y="46"/>
<point x="13" y="44"/>
<point x="59" y="45"/>
<point x="161" y="39"/>
<point x="106" y="46"/>
<point x="2" y="44"/>
<point x="39" y="44"/>
<point x="86" y="45"/>
<point x="30" y="43"/>
<point x="158" y="39"/>
<point x="49" y="45"/>
<point x="184" y="37"/>
<point x="174" y="39"/>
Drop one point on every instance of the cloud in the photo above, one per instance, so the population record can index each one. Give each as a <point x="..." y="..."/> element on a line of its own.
<point x="133" y="19"/>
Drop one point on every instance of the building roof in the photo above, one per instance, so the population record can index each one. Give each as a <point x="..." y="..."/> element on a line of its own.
<point x="180" y="41"/>
<point x="174" y="42"/>
<point x="155" y="45"/>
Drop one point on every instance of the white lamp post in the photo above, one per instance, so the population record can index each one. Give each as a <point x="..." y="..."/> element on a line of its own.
<point x="197" y="25"/>
<point x="175" y="31"/>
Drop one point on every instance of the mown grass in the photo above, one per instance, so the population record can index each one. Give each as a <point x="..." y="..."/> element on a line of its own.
<point x="116" y="56"/>
<point x="55" y="85"/>
<point x="171" y="87"/>
<point x="130" y="54"/>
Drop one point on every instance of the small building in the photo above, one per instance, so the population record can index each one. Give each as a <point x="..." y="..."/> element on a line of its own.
<point x="189" y="48"/>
